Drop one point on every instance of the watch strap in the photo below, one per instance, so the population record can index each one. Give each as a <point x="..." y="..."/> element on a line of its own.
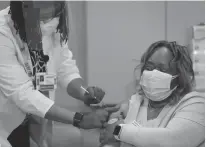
<point x="77" y="119"/>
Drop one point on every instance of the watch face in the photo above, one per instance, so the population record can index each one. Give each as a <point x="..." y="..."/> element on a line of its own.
<point x="117" y="130"/>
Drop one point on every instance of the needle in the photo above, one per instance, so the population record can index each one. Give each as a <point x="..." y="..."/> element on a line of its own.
<point x="87" y="91"/>
<point x="90" y="94"/>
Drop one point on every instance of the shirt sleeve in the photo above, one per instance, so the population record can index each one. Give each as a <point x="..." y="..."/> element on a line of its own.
<point x="68" y="69"/>
<point x="186" y="128"/>
<point x="15" y="83"/>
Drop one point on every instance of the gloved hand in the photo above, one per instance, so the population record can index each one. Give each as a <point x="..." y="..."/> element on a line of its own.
<point x="95" y="119"/>
<point x="98" y="118"/>
<point x="94" y="96"/>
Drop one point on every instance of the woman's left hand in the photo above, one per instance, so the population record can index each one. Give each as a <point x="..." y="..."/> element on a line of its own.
<point x="106" y="135"/>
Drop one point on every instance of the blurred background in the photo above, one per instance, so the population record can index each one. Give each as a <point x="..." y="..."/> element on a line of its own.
<point x="108" y="38"/>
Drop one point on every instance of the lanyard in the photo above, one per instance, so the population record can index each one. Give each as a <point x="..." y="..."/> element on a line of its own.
<point x="27" y="60"/>
<point x="24" y="51"/>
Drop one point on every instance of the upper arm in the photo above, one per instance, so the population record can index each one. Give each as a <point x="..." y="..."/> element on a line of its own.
<point x="185" y="129"/>
<point x="15" y="83"/>
<point x="188" y="124"/>
<point x="67" y="70"/>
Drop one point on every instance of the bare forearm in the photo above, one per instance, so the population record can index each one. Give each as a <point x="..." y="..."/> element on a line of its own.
<point x="59" y="114"/>
<point x="74" y="90"/>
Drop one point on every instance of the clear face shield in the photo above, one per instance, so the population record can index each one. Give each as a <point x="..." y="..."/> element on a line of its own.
<point x="41" y="12"/>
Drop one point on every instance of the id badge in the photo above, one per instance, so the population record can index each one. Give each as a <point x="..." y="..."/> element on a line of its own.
<point x="46" y="82"/>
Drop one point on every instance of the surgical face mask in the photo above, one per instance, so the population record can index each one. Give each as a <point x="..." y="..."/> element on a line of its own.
<point x="49" y="27"/>
<point x="156" y="84"/>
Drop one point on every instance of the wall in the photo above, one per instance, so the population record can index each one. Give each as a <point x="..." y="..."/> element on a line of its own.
<point x="77" y="44"/>
<point x="118" y="32"/>
<point x="3" y="4"/>
<point x="67" y="135"/>
<point x="181" y="16"/>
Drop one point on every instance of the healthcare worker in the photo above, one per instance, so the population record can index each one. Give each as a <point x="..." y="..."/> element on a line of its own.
<point x="34" y="59"/>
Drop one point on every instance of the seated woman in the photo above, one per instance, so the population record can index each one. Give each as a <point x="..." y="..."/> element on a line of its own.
<point x="165" y="112"/>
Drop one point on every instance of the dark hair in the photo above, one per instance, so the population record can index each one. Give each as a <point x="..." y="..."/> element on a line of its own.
<point x="181" y="61"/>
<point x="16" y="11"/>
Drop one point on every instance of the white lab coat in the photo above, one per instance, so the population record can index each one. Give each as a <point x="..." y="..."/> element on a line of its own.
<point x="16" y="94"/>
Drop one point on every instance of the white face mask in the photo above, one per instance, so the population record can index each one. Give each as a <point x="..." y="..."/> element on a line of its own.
<point x="156" y="84"/>
<point x="49" y="27"/>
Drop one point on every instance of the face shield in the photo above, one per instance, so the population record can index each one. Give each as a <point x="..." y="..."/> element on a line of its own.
<point x="37" y="13"/>
<point x="49" y="9"/>
<point x="41" y="12"/>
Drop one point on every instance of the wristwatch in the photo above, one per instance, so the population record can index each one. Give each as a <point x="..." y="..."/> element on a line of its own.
<point x="77" y="119"/>
<point x="117" y="131"/>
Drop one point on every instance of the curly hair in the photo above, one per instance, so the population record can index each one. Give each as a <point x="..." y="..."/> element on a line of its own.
<point x="16" y="12"/>
<point x="181" y="61"/>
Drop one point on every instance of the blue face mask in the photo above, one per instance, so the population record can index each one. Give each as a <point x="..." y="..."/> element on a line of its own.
<point x="156" y="84"/>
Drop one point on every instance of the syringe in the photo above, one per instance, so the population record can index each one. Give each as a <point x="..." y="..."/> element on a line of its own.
<point x="100" y="102"/>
